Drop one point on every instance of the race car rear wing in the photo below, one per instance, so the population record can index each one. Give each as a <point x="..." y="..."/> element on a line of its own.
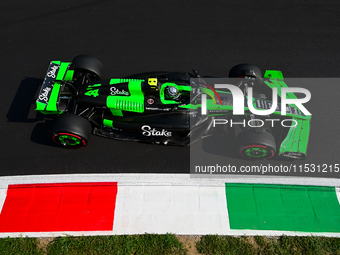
<point x="48" y="99"/>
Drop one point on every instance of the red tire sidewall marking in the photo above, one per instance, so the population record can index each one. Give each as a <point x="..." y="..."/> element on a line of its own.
<point x="76" y="136"/>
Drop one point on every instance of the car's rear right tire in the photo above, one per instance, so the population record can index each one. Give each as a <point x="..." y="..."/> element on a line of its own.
<point x="71" y="131"/>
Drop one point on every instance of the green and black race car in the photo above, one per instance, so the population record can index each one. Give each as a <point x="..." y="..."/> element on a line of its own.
<point x="167" y="108"/>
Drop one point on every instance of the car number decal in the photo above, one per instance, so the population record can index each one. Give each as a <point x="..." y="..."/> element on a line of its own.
<point x="91" y="91"/>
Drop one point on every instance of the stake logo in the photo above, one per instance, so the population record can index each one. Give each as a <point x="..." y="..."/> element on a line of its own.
<point x="238" y="100"/>
<point x="44" y="95"/>
<point x="52" y="72"/>
<point x="148" y="131"/>
<point x="115" y="91"/>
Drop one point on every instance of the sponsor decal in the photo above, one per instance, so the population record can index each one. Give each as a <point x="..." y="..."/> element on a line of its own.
<point x="157" y="109"/>
<point x="150" y="101"/>
<point x="297" y="154"/>
<point x="152" y="82"/>
<point x="52" y="72"/>
<point x="115" y="91"/>
<point x="44" y="95"/>
<point x="149" y="131"/>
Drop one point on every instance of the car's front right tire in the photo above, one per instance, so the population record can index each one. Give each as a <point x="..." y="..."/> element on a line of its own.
<point x="256" y="145"/>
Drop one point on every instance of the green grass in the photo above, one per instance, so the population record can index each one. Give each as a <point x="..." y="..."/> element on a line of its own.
<point x="169" y="244"/>
<point x="9" y="246"/>
<point x="135" y="244"/>
<point x="213" y="244"/>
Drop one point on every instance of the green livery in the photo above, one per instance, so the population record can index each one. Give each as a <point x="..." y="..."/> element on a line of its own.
<point x="167" y="108"/>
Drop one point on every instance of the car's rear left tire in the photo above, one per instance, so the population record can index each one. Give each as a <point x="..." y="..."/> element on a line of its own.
<point x="88" y="64"/>
<point x="71" y="131"/>
<point x="241" y="70"/>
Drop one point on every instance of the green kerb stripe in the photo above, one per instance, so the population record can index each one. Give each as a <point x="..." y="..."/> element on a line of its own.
<point x="283" y="207"/>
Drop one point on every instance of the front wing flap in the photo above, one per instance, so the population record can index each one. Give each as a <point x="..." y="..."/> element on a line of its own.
<point x="295" y="144"/>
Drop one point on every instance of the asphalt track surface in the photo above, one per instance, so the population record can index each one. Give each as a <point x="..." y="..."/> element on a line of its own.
<point x="300" y="38"/>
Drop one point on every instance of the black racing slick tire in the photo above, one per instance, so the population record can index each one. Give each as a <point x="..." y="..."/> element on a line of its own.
<point x="256" y="145"/>
<point x="243" y="70"/>
<point x="88" y="64"/>
<point x="71" y="131"/>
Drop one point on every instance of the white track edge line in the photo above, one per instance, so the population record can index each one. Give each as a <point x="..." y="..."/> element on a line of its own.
<point x="236" y="233"/>
<point x="165" y="179"/>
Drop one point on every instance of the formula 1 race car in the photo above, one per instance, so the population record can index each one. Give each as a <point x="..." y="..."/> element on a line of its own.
<point x="167" y="108"/>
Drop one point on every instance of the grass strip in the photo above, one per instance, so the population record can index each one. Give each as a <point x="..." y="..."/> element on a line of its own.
<point x="135" y="244"/>
<point x="15" y="246"/>
<point x="169" y="244"/>
<point x="259" y="245"/>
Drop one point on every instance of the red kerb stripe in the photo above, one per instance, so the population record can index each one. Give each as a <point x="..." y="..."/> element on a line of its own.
<point x="59" y="207"/>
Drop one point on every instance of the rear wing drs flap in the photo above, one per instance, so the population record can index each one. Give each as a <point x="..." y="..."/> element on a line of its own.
<point x="48" y="98"/>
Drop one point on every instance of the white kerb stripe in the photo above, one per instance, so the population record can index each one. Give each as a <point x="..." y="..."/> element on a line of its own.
<point x="184" y="210"/>
<point x="337" y="191"/>
<point x="3" y="194"/>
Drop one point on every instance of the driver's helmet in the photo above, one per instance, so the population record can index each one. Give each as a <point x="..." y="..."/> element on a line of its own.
<point x="172" y="93"/>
